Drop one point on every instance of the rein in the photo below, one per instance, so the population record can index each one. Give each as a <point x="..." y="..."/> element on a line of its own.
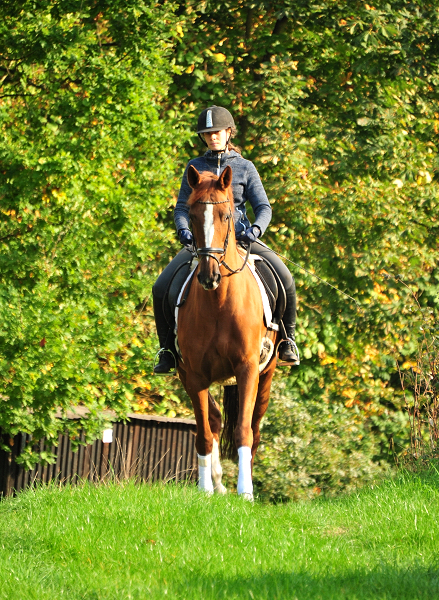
<point x="210" y="252"/>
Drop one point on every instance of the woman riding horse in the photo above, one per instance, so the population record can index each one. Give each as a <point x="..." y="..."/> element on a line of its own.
<point x="215" y="128"/>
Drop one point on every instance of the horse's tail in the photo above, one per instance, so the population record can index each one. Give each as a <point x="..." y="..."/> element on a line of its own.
<point x="231" y="410"/>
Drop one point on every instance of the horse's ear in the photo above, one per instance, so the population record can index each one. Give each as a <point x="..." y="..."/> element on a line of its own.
<point x="225" y="179"/>
<point x="193" y="177"/>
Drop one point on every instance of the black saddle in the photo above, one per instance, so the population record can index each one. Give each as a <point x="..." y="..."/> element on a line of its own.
<point x="274" y="288"/>
<point x="174" y="288"/>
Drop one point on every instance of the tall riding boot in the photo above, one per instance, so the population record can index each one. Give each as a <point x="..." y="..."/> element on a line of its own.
<point x="167" y="355"/>
<point x="288" y="351"/>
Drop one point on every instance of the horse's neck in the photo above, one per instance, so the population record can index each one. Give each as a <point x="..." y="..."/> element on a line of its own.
<point x="235" y="261"/>
<point x="233" y="258"/>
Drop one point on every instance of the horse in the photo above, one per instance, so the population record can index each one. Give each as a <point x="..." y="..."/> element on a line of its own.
<point x="220" y="332"/>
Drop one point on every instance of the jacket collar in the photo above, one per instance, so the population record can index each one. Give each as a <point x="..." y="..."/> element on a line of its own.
<point x="224" y="156"/>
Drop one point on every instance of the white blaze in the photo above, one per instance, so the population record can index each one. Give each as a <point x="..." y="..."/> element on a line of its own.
<point x="208" y="226"/>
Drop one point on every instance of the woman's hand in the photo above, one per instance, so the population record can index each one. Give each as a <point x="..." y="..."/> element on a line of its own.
<point x="186" y="238"/>
<point x="249" y="235"/>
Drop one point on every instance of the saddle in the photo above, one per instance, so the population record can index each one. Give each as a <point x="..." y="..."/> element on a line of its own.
<point x="273" y="287"/>
<point x="174" y="288"/>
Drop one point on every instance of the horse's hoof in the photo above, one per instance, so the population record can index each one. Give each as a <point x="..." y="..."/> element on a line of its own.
<point x="220" y="489"/>
<point x="247" y="496"/>
<point x="208" y="491"/>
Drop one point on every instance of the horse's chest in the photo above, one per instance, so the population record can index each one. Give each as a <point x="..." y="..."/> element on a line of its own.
<point x="215" y="331"/>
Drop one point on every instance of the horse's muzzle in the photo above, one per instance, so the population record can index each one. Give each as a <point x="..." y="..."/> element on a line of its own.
<point x="209" y="282"/>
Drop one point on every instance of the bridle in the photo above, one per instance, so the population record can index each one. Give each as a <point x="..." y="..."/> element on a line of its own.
<point x="211" y="252"/>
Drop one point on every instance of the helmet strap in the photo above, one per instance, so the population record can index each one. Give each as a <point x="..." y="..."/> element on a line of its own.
<point x="201" y="136"/>
<point x="226" y="147"/>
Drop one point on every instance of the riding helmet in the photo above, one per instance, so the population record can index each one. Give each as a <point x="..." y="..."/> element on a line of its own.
<point x="214" y="118"/>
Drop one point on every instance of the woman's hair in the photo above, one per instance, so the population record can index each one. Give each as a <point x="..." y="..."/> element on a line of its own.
<point x="232" y="146"/>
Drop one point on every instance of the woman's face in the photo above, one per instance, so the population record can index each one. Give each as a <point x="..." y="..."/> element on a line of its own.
<point x="216" y="140"/>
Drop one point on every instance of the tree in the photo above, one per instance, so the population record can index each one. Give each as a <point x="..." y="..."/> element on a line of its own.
<point x="85" y="163"/>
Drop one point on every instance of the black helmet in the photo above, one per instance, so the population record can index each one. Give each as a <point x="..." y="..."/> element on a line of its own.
<point x="214" y="118"/>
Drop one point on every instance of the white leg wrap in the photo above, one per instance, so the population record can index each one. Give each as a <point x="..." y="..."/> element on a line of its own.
<point x="217" y="470"/>
<point x="245" y="484"/>
<point x="205" y="473"/>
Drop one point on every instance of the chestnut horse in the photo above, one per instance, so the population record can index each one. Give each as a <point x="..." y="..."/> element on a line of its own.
<point x="220" y="332"/>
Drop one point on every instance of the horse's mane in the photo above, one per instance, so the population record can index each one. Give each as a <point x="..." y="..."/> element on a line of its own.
<point x="207" y="183"/>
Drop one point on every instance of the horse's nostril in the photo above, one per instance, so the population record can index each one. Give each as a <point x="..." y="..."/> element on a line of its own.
<point x="209" y="282"/>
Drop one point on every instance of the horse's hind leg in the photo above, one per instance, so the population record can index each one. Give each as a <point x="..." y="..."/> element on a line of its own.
<point x="261" y="405"/>
<point x="215" y="427"/>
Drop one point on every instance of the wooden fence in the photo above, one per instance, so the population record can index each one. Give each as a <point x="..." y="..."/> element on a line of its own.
<point x="146" y="447"/>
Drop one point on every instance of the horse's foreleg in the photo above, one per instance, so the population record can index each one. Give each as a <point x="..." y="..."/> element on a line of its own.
<point x="215" y="426"/>
<point x="247" y="385"/>
<point x="204" y="437"/>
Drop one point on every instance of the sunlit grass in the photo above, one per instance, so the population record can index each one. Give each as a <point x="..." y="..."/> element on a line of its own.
<point x="139" y="541"/>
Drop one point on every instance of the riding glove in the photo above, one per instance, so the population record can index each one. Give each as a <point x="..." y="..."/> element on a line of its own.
<point x="186" y="238"/>
<point x="249" y="235"/>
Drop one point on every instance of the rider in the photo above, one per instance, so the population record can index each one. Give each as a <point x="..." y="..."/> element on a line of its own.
<point x="215" y="128"/>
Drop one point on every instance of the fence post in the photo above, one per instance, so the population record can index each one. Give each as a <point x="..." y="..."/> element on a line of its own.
<point x="107" y="439"/>
<point x="8" y="466"/>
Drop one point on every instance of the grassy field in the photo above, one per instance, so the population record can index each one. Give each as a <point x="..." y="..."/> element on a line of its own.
<point x="146" y="542"/>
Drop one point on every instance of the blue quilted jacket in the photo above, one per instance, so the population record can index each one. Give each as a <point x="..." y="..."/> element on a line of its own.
<point x="246" y="185"/>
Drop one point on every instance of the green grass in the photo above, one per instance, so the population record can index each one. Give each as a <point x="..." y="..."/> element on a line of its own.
<point x="147" y="542"/>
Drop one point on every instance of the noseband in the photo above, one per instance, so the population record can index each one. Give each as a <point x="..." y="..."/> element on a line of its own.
<point x="210" y="252"/>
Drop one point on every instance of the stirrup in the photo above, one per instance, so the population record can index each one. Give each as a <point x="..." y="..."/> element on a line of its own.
<point x="284" y="363"/>
<point x="172" y="371"/>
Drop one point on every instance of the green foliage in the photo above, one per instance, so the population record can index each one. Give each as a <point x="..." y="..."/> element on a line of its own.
<point x="85" y="167"/>
<point x="420" y="383"/>
<point x="136" y="541"/>
<point x="314" y="447"/>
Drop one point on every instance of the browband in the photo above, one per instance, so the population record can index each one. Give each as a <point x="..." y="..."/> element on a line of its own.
<point x="212" y="202"/>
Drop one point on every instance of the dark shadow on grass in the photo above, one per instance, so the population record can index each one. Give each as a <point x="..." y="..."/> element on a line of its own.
<point x="384" y="583"/>
<point x="428" y="475"/>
